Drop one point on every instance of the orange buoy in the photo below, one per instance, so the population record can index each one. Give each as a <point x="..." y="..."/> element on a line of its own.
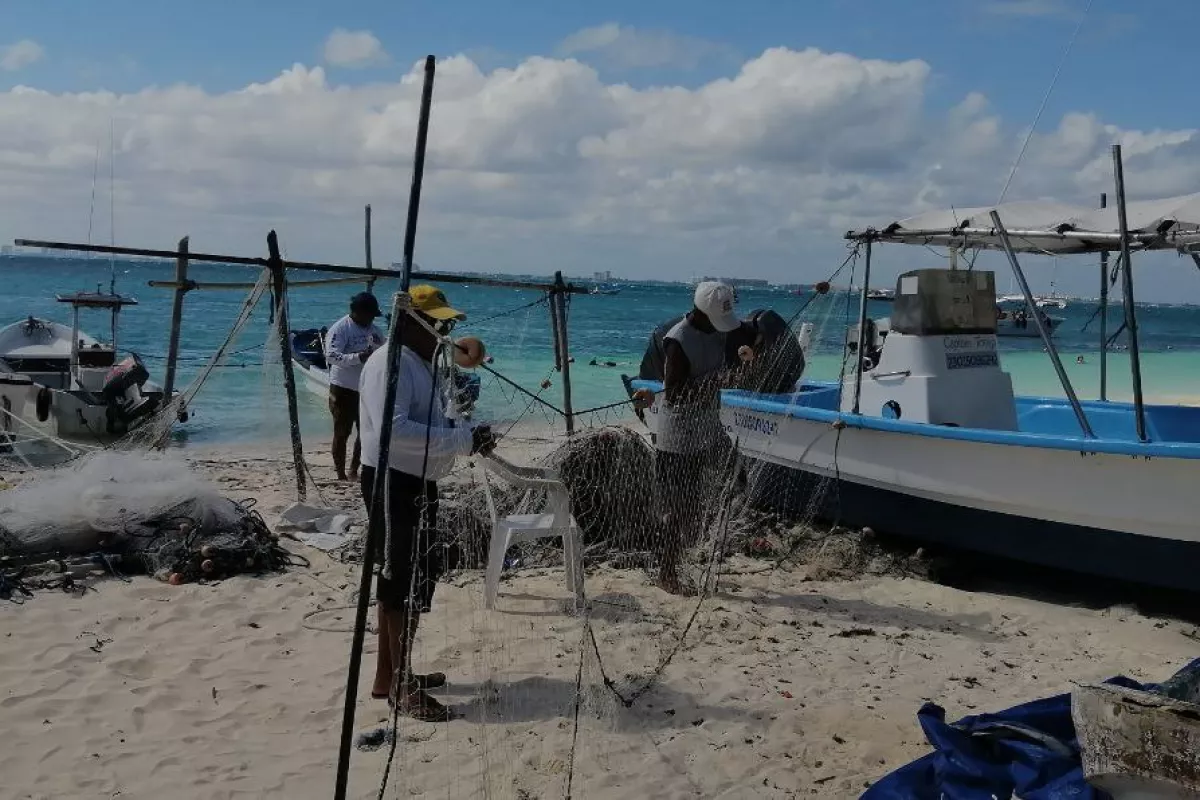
<point x="745" y="353"/>
<point x="176" y="578"/>
<point x="822" y="287"/>
<point x="643" y="398"/>
<point x="546" y="383"/>
<point x="469" y="352"/>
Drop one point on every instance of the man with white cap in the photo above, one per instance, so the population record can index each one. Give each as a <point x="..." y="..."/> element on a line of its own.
<point x="690" y="440"/>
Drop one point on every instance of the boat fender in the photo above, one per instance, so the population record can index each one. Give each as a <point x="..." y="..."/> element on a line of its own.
<point x="891" y="410"/>
<point x="42" y="403"/>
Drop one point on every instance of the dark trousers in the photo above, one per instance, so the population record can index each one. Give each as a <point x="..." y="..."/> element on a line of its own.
<point x="417" y="557"/>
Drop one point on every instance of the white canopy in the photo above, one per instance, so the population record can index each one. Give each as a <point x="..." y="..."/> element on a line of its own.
<point x="1171" y="223"/>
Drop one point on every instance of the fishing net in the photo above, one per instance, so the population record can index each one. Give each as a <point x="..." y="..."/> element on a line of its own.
<point x="558" y="700"/>
<point x="133" y="513"/>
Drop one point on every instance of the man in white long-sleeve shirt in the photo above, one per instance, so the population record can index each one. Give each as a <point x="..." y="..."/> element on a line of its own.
<point x="348" y="345"/>
<point x="424" y="444"/>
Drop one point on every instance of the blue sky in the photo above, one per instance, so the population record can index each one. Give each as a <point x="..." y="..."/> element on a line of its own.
<point x="1123" y="82"/>
<point x="1126" y="64"/>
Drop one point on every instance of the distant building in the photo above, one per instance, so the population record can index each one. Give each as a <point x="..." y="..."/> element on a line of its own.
<point x="604" y="276"/>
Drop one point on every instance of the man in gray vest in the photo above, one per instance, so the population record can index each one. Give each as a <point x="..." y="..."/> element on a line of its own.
<point x="691" y="443"/>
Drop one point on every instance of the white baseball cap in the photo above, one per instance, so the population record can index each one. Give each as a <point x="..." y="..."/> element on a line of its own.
<point x="716" y="300"/>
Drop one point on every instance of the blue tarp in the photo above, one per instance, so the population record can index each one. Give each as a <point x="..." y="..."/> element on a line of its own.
<point x="1029" y="750"/>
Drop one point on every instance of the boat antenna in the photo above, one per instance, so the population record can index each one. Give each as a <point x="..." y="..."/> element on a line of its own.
<point x="112" y="205"/>
<point x="92" y="207"/>
<point x="1062" y="61"/>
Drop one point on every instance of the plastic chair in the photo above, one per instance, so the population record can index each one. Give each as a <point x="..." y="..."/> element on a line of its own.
<point x="516" y="528"/>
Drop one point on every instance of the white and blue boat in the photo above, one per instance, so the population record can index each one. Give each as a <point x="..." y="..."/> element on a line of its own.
<point x="926" y="439"/>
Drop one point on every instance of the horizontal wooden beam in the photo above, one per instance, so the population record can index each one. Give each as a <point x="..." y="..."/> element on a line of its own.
<point x="340" y="269"/>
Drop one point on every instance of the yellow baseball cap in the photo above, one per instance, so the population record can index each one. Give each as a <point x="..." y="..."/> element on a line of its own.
<point x="432" y="302"/>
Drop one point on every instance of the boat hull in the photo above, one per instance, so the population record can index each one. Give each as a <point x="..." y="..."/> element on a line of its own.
<point x="1110" y="514"/>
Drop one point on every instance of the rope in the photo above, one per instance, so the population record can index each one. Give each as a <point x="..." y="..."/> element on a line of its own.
<point x="522" y="307"/>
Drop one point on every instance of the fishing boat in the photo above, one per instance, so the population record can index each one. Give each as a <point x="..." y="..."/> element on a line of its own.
<point x="59" y="383"/>
<point x="881" y="295"/>
<point x="926" y="439"/>
<point x="604" y="288"/>
<point x="1019" y="324"/>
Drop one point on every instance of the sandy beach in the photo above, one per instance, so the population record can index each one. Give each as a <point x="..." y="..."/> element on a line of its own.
<point x="785" y="686"/>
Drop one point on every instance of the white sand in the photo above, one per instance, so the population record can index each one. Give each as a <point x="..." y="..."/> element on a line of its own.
<point x="144" y="690"/>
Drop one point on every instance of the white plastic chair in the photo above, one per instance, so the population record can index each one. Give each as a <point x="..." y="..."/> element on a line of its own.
<point x="526" y="527"/>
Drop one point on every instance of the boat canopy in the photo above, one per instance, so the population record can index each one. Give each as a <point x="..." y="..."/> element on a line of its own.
<point x="1036" y="226"/>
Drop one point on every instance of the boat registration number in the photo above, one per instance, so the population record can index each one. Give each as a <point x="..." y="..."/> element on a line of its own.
<point x="969" y="360"/>
<point x="967" y="352"/>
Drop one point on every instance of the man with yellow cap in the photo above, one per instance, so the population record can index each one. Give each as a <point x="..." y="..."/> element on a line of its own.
<point x="424" y="444"/>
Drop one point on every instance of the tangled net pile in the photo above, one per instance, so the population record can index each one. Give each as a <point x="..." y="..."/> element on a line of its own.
<point x="136" y="513"/>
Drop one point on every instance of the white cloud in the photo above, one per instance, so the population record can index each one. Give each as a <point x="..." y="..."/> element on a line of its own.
<point x="633" y="48"/>
<point x="546" y="166"/>
<point x="346" y="48"/>
<point x="20" y="55"/>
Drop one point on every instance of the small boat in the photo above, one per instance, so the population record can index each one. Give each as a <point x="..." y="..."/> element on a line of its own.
<point x="1041" y="301"/>
<point x="59" y="383"/>
<point x="602" y="288"/>
<point x="882" y="295"/>
<point x="1019" y="325"/>
<point x="308" y="361"/>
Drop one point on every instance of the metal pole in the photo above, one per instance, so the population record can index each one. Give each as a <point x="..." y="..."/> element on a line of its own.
<point x="376" y="520"/>
<point x="1041" y="326"/>
<point x="181" y="289"/>
<point x="1135" y="361"/>
<point x="564" y="350"/>
<point x="279" y="278"/>
<point x="1103" y="313"/>
<point x="367" y="244"/>
<point x="862" y="327"/>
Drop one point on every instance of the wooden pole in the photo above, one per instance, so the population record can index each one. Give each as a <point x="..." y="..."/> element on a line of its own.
<point x="564" y="351"/>
<point x="279" y="278"/>
<point x="376" y="515"/>
<point x="181" y="289"/>
<point x="367" y="244"/>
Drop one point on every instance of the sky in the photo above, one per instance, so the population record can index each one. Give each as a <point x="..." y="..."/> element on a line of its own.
<point x="658" y="139"/>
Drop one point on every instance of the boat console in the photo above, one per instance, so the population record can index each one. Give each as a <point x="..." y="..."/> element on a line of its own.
<point x="935" y="359"/>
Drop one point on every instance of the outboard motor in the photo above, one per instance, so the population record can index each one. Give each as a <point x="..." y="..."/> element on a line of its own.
<point x="122" y="394"/>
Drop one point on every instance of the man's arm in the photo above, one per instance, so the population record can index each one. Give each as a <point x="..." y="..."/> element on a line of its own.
<point x="409" y="436"/>
<point x="335" y="347"/>
<point x="676" y="370"/>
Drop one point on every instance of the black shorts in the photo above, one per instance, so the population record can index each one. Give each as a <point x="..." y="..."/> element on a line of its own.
<point x="343" y="406"/>
<point x="417" y="557"/>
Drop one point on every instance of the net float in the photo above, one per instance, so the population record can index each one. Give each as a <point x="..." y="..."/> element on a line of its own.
<point x="469" y="352"/>
<point x="207" y="565"/>
<point x="176" y="579"/>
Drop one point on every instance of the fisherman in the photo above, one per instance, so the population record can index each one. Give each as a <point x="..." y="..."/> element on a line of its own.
<point x="424" y="445"/>
<point x="348" y="345"/>
<point x="691" y="442"/>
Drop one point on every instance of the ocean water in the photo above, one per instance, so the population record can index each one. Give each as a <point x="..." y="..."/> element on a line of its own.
<point x="244" y="401"/>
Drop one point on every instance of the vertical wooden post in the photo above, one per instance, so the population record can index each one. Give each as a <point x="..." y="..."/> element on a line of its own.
<point x="367" y="243"/>
<point x="563" y="349"/>
<point x="181" y="289"/>
<point x="376" y="517"/>
<point x="279" y="278"/>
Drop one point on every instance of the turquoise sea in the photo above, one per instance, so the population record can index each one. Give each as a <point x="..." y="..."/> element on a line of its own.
<point x="243" y="401"/>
